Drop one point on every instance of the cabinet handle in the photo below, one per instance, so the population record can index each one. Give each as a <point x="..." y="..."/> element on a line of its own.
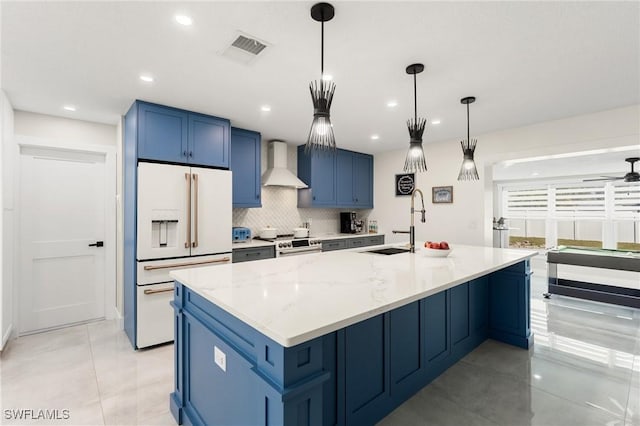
<point x="195" y="206"/>
<point x="314" y="197"/>
<point x="257" y="196"/>
<point x="184" y="153"/>
<point x="162" y="290"/>
<point x="190" y="153"/>
<point x="187" y="176"/>
<point x="185" y="264"/>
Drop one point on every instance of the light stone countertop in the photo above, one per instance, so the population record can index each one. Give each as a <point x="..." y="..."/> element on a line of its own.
<point x="295" y="299"/>
<point x="252" y="244"/>
<point x="337" y="236"/>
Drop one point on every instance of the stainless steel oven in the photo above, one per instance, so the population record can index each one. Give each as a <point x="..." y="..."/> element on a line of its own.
<point x="297" y="247"/>
<point x="288" y="246"/>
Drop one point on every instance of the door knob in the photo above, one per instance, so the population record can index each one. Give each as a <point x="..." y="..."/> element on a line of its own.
<point x="97" y="244"/>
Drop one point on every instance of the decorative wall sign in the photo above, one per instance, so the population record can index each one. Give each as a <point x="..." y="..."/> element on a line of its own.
<point x="405" y="183"/>
<point x="442" y="194"/>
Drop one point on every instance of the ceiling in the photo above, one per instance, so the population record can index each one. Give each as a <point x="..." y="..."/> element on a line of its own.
<point x="526" y="62"/>
<point x="575" y="166"/>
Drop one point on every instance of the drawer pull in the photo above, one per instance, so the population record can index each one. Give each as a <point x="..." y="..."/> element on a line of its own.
<point x="183" y="265"/>
<point x="161" y="290"/>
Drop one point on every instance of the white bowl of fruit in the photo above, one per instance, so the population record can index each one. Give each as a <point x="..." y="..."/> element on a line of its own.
<point x="435" y="249"/>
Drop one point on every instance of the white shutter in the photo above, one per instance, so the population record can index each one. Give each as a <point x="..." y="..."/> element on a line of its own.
<point x="525" y="203"/>
<point x="626" y="200"/>
<point x="580" y="201"/>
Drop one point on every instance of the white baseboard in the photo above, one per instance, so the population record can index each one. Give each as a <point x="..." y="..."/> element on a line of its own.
<point x="6" y="337"/>
<point x="118" y="318"/>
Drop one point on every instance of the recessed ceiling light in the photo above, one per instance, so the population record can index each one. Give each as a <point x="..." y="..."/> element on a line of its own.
<point x="69" y="107"/>
<point x="537" y="376"/>
<point x="375" y="137"/>
<point x="435" y="121"/>
<point x="535" y="174"/>
<point x="327" y="77"/>
<point x="146" y="78"/>
<point x="265" y="108"/>
<point x="184" y="20"/>
<point x="392" y="104"/>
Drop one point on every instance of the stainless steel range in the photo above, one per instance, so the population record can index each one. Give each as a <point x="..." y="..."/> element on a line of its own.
<point x="286" y="245"/>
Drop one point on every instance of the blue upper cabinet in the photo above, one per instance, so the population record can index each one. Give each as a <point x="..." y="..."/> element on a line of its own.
<point x="162" y="133"/>
<point x="245" y="164"/>
<point x="318" y="170"/>
<point x="343" y="179"/>
<point x="354" y="180"/>
<point x="363" y="180"/>
<point x="177" y="136"/>
<point x="208" y="141"/>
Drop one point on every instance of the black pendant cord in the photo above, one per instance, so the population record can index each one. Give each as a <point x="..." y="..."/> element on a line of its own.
<point x="322" y="54"/>
<point x="415" y="99"/>
<point x="468" y="137"/>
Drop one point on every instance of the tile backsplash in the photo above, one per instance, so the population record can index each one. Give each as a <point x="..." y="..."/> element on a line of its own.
<point x="279" y="210"/>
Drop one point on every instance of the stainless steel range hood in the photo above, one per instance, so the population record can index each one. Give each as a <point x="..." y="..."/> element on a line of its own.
<point x="277" y="173"/>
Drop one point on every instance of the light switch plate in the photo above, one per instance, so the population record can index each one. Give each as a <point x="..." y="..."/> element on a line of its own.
<point x="220" y="358"/>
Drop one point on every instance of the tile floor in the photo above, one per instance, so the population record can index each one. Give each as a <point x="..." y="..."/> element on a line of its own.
<point x="584" y="369"/>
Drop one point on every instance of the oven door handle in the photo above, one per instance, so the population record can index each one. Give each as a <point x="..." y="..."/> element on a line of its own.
<point x="284" y="253"/>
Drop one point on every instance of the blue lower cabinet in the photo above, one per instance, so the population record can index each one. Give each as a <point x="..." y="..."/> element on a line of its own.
<point x="353" y="376"/>
<point x="509" y="310"/>
<point x="366" y="370"/>
<point x="436" y="330"/>
<point x="406" y="350"/>
<point x="209" y="387"/>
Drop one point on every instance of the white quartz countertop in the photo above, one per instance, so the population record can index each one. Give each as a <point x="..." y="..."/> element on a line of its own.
<point x="295" y="299"/>
<point x="341" y="236"/>
<point x="252" y="244"/>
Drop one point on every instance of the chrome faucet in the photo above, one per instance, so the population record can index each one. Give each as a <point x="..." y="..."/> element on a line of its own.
<point x="412" y="228"/>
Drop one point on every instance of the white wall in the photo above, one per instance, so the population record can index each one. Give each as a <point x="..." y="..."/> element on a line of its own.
<point x="8" y="157"/>
<point x="469" y="219"/>
<point x="64" y="129"/>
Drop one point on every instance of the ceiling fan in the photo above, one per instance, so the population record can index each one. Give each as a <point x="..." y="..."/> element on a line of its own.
<point x="632" y="176"/>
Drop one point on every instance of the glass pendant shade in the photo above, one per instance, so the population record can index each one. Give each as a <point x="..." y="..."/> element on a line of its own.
<point x="321" y="135"/>
<point x="415" y="161"/>
<point x="468" y="170"/>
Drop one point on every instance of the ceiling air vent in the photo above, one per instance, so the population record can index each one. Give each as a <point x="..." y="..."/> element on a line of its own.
<point x="245" y="48"/>
<point x="250" y="45"/>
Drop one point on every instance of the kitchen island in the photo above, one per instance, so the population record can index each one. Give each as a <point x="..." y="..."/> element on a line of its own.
<point x="338" y="338"/>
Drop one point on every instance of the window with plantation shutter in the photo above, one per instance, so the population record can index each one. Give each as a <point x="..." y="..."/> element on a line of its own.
<point x="579" y="201"/>
<point x="523" y="203"/>
<point x="626" y="201"/>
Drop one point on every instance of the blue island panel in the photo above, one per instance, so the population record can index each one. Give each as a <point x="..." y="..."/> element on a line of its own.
<point x="352" y="376"/>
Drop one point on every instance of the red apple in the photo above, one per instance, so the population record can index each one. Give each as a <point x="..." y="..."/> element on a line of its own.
<point x="435" y="246"/>
<point x="444" y="245"/>
<point x="426" y="243"/>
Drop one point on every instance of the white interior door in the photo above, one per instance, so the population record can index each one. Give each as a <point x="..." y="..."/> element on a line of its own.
<point x="211" y="224"/>
<point x="62" y="206"/>
<point x="163" y="205"/>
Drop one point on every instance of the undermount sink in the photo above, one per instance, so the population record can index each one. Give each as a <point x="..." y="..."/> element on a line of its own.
<point x="389" y="251"/>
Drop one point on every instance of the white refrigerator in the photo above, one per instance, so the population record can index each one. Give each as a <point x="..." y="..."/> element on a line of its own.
<point x="184" y="221"/>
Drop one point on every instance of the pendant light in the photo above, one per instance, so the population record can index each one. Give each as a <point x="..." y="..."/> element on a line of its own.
<point x="321" y="133"/>
<point x="415" y="161"/>
<point x="468" y="170"/>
